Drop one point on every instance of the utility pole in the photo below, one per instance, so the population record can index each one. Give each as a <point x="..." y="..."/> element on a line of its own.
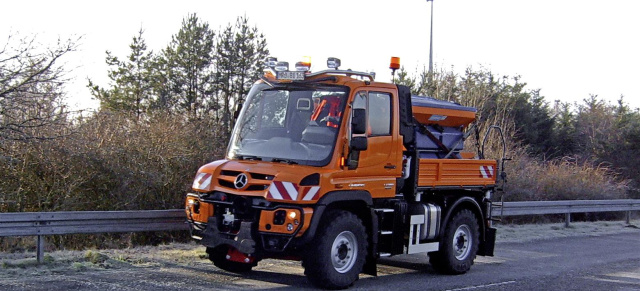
<point x="431" y="44"/>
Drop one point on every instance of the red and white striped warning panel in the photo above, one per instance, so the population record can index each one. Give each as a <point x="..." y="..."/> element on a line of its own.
<point x="202" y="181"/>
<point x="486" y="171"/>
<point x="291" y="191"/>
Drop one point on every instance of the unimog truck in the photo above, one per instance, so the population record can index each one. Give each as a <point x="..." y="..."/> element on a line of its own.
<point x="337" y="170"/>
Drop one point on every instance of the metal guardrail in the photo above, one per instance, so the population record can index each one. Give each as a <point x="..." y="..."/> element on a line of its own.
<point x="565" y="207"/>
<point x="41" y="224"/>
<point x="73" y="222"/>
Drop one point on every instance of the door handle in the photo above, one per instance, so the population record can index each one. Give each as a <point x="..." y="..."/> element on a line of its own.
<point x="389" y="166"/>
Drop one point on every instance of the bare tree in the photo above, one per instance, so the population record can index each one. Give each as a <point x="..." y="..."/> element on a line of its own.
<point x="31" y="88"/>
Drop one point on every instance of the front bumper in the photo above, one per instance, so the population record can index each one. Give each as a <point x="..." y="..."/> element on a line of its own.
<point x="246" y="227"/>
<point x="242" y="241"/>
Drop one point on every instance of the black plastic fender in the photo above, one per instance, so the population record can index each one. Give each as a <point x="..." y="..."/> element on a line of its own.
<point x="477" y="210"/>
<point x="328" y="199"/>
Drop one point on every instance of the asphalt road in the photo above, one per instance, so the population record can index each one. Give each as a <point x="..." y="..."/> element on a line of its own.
<point x="577" y="263"/>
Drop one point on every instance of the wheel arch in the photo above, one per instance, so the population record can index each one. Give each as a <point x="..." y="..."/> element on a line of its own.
<point x="358" y="202"/>
<point x="472" y="205"/>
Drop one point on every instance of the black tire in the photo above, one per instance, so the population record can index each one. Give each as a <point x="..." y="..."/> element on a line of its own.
<point x="218" y="256"/>
<point x="335" y="258"/>
<point x="459" y="245"/>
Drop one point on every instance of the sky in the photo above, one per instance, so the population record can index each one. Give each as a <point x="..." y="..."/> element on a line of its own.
<point x="568" y="49"/>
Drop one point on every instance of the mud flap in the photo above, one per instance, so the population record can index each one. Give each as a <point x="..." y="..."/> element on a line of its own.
<point x="243" y="241"/>
<point x="489" y="243"/>
<point x="370" y="266"/>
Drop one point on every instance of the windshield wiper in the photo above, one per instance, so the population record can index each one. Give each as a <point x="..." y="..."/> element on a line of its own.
<point x="249" y="157"/>
<point x="278" y="160"/>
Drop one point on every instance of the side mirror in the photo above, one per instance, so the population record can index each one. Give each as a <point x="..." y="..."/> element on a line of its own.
<point x="359" y="122"/>
<point x="358" y="143"/>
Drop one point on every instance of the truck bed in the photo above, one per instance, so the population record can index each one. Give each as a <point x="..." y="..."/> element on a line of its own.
<point x="436" y="173"/>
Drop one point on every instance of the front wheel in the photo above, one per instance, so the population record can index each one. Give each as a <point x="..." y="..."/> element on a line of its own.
<point x="459" y="245"/>
<point x="335" y="259"/>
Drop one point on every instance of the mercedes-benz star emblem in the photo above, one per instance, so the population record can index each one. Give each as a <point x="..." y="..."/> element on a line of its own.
<point x="241" y="181"/>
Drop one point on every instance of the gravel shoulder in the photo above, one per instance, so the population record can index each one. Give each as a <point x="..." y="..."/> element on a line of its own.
<point x="180" y="263"/>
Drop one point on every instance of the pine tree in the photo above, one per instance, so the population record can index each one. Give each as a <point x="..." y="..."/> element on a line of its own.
<point x="189" y="58"/>
<point x="240" y="52"/>
<point x="131" y="88"/>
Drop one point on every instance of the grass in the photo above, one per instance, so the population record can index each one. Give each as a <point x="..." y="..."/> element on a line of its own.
<point x="194" y="255"/>
<point x="532" y="232"/>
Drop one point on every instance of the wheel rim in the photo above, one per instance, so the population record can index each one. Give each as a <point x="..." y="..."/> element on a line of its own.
<point x="344" y="251"/>
<point x="462" y="242"/>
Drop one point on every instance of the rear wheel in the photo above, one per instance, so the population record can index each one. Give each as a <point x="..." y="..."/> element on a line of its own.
<point x="218" y="256"/>
<point x="336" y="257"/>
<point x="459" y="245"/>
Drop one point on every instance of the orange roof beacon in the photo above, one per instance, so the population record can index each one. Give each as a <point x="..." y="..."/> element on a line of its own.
<point x="338" y="170"/>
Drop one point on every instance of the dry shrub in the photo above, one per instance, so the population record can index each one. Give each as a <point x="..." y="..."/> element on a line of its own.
<point x="109" y="162"/>
<point x="530" y="179"/>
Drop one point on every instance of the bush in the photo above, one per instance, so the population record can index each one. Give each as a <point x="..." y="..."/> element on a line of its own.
<point x="107" y="162"/>
<point x="530" y="179"/>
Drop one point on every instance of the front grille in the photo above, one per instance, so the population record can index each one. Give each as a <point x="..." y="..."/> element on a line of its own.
<point x="227" y="184"/>
<point x="229" y="173"/>
<point x="258" y="176"/>
<point x="256" y="180"/>
<point x="257" y="187"/>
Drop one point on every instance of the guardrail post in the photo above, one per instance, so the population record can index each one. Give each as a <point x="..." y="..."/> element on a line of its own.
<point x="40" y="249"/>
<point x="628" y="217"/>
<point x="567" y="219"/>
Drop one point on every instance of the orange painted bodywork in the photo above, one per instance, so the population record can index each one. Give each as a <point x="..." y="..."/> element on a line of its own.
<point x="379" y="166"/>
<point x="205" y="211"/>
<point x="454" y="118"/>
<point x="267" y="216"/>
<point x="455" y="172"/>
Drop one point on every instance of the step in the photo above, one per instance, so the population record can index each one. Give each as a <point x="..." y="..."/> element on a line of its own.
<point x="385" y="210"/>
<point x="385" y="255"/>
<point x="386" y="232"/>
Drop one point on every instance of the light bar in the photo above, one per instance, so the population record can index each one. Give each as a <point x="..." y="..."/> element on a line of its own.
<point x="333" y="63"/>
<point x="281" y="67"/>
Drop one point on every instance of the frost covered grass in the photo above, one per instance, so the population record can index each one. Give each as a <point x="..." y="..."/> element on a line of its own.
<point x="193" y="255"/>
<point x="64" y="261"/>
<point x="531" y="232"/>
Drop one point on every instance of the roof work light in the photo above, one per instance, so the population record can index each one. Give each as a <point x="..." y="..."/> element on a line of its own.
<point x="333" y="63"/>
<point x="270" y="62"/>
<point x="281" y="67"/>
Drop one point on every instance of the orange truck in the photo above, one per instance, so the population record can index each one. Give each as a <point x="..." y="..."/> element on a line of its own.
<point x="337" y="170"/>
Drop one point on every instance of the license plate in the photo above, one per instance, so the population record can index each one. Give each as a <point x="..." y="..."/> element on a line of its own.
<point x="290" y="75"/>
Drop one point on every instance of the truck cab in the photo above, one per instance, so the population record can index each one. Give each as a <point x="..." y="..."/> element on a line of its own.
<point x="337" y="170"/>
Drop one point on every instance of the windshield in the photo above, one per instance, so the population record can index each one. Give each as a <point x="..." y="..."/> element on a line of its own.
<point x="292" y="123"/>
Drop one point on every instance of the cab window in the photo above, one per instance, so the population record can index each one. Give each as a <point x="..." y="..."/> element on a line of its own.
<point x="378" y="106"/>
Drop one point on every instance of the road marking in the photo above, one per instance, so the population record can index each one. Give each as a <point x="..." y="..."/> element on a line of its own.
<point x="631" y="277"/>
<point x="483" y="286"/>
<point x="623" y="281"/>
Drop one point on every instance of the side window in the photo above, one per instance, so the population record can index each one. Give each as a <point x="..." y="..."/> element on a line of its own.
<point x="360" y="101"/>
<point x="380" y="113"/>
